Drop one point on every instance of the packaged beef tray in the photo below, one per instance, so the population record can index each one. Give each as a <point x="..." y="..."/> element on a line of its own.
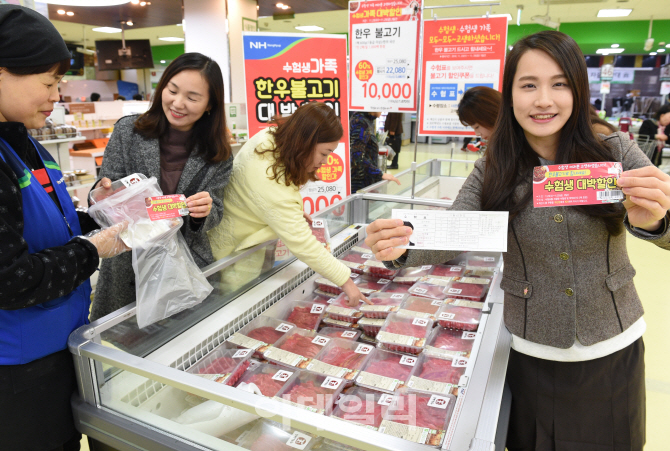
<point x="305" y="315"/>
<point x="450" y="342"/>
<point x="369" y="285"/>
<point x="357" y="268"/>
<point x="331" y="322"/>
<point x="420" y="307"/>
<point x="357" y="257"/>
<point x="405" y="333"/>
<point x="260" y="333"/>
<point x="437" y="374"/>
<point x="452" y="316"/>
<point x="468" y="288"/>
<point x="223" y="365"/>
<point x="417" y="417"/>
<point x="447" y="271"/>
<point x="429" y="287"/>
<point x="311" y="391"/>
<point x="296" y="349"/>
<point x="415" y="271"/>
<point x="362" y="406"/>
<point x="382" y="304"/>
<point x="371" y="326"/>
<point x="268" y="378"/>
<point x="386" y="371"/>
<point x="337" y="332"/>
<point x="341" y="358"/>
<point x="375" y="268"/>
<point x="339" y="309"/>
<point x="270" y="436"/>
<point x="483" y="261"/>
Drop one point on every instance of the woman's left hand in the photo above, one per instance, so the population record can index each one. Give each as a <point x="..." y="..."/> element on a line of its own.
<point x="307" y="217"/>
<point x="199" y="204"/>
<point x="647" y="193"/>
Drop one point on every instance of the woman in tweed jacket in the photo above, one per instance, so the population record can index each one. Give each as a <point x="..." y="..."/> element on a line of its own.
<point x="180" y="140"/>
<point x="576" y="369"/>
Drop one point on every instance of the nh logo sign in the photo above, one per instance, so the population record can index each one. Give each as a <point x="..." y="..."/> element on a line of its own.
<point x="257" y="45"/>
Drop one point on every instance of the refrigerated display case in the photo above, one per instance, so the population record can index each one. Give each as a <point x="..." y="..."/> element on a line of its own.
<point x="135" y="391"/>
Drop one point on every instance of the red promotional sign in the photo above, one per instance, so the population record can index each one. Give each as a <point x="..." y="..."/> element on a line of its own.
<point x="458" y="54"/>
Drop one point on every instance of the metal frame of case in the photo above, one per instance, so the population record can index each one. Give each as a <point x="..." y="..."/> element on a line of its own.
<point x="482" y="407"/>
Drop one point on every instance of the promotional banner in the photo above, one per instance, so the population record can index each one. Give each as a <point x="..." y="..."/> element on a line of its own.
<point x="383" y="54"/>
<point x="458" y="54"/>
<point x="282" y="71"/>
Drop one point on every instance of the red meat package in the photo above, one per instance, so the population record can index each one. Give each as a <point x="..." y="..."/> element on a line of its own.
<point x="305" y="315"/>
<point x="319" y="299"/>
<point x="297" y="348"/>
<point x="339" y="309"/>
<point x="386" y="371"/>
<point x="342" y="359"/>
<point x="428" y="287"/>
<point x="354" y="267"/>
<point x="369" y="285"/>
<point x="331" y="322"/>
<point x="311" y="391"/>
<point x="376" y="268"/>
<point x="463" y="318"/>
<point x="396" y="288"/>
<point x="472" y="289"/>
<point x="410" y="414"/>
<point x="327" y="286"/>
<point x="420" y="307"/>
<point x="415" y="271"/>
<point x="260" y="333"/>
<point x="447" y="271"/>
<point x="357" y="257"/>
<point x="382" y="304"/>
<point x="269" y="379"/>
<point x="405" y="333"/>
<point x="450" y="342"/>
<point x="436" y="374"/>
<point x="223" y="365"/>
<point x="371" y="326"/>
<point x="363" y="407"/>
<point x="267" y="435"/>
<point x="337" y="332"/>
<point x="320" y="231"/>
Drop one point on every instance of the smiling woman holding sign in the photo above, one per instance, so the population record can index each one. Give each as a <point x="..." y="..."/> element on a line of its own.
<point x="263" y="201"/>
<point x="576" y="370"/>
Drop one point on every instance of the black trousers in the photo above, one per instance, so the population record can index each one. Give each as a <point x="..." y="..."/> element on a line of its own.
<point x="595" y="405"/>
<point x="395" y="142"/>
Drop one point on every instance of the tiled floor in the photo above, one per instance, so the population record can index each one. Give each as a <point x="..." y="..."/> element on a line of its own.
<point x="652" y="282"/>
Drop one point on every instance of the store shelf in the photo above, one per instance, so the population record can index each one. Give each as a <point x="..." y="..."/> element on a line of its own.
<point x="62" y="140"/>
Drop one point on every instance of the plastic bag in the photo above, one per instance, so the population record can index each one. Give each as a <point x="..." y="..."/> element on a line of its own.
<point x="167" y="280"/>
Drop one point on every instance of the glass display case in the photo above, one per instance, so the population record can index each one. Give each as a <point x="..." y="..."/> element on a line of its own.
<point x="135" y="390"/>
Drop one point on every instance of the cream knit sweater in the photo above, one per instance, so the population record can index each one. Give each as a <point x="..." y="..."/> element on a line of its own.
<point x="257" y="209"/>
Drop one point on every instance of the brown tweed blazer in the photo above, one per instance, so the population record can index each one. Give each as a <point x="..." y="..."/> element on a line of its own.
<point x="565" y="276"/>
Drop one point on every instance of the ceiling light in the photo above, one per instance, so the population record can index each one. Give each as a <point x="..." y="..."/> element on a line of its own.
<point x="285" y="7"/>
<point x="86" y="2"/>
<point x="171" y="39"/>
<point x="61" y="11"/>
<point x="129" y="23"/>
<point x="615" y="46"/>
<point x="660" y="50"/>
<point x="667" y="46"/>
<point x="279" y="5"/>
<point x="614" y="12"/>
<point x="70" y="13"/>
<point x="509" y="16"/>
<point x="107" y="30"/>
<point x="652" y="53"/>
<point x="163" y="61"/>
<point x="608" y="51"/>
<point x="309" y="28"/>
<point x="143" y="3"/>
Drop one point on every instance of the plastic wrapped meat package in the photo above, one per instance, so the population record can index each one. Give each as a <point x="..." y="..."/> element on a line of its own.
<point x="314" y="392"/>
<point x="339" y="309"/>
<point x="415" y="271"/>
<point x="357" y="257"/>
<point x="332" y="322"/>
<point x="337" y="332"/>
<point x="260" y="333"/>
<point x="450" y="342"/>
<point x="270" y="436"/>
<point x="447" y="271"/>
<point x="428" y="287"/>
<point x="305" y="315"/>
<point x="371" y="326"/>
<point x="296" y="349"/>
<point x="409" y="413"/>
<point x="362" y="406"/>
<point x="482" y="260"/>
<point x="437" y="374"/>
<point x="341" y="358"/>
<point x="382" y="304"/>
<point x="319" y="299"/>
<point x="268" y="379"/>
<point x="420" y="307"/>
<point x="452" y="316"/>
<point x="319" y="229"/>
<point x="405" y="333"/>
<point x="357" y="268"/>
<point x="396" y="288"/>
<point x="167" y="280"/>
<point x="375" y="268"/>
<point x="369" y="285"/>
<point x="468" y="288"/>
<point x="223" y="365"/>
<point x="386" y="371"/>
<point x="326" y="286"/>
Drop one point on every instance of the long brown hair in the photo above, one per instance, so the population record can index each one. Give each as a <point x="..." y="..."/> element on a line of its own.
<point x="295" y="138"/>
<point x="480" y="105"/>
<point x="510" y="159"/>
<point x="209" y="132"/>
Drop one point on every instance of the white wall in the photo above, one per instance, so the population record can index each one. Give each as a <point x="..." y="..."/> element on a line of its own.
<point x="237" y="9"/>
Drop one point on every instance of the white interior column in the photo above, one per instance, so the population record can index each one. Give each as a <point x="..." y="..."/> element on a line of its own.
<point x="239" y="11"/>
<point x="205" y="31"/>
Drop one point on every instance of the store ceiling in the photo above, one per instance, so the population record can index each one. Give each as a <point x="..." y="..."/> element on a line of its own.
<point x="154" y="14"/>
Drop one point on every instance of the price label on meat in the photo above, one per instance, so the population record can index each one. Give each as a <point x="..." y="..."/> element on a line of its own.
<point x="459" y="362"/>
<point x="298" y="440"/>
<point x="282" y="376"/>
<point x="447" y="315"/>
<point x="474" y="280"/>
<point x="385" y="399"/>
<point x="469" y="304"/>
<point x="320" y="340"/>
<point x="389" y="337"/>
<point x="383" y="53"/>
<point x="348" y="334"/>
<point x="286" y="357"/>
<point x="418" y="383"/>
<point x="364" y="349"/>
<point x="332" y="382"/>
<point x="397" y="296"/>
<point x="454" y="291"/>
<point x="166" y="207"/>
<point x="241" y="353"/>
<point x="377" y="381"/>
<point x="438" y="401"/>
<point x="341" y="311"/>
<point x="408" y="360"/>
<point x="283" y="327"/>
<point x="469" y="335"/>
<point x="246" y="342"/>
<point x="317" y="308"/>
<point x="327" y="369"/>
<point x="376" y="308"/>
<point x="337" y="323"/>
<point x="420" y="322"/>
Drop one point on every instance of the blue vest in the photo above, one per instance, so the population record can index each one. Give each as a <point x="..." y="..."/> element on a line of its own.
<point x="35" y="332"/>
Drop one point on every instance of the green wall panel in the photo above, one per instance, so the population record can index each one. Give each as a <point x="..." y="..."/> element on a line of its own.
<point x="166" y="52"/>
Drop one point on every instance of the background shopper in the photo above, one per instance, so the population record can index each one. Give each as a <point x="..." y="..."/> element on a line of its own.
<point x="478" y="109"/>
<point x="393" y="125"/>
<point x="263" y="201"/>
<point x="180" y="140"/>
<point x="44" y="262"/>
<point x="657" y="128"/>
<point x="364" y="151"/>
<point x="576" y="369"/>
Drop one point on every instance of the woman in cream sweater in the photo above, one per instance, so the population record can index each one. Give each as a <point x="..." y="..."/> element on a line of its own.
<point x="262" y="200"/>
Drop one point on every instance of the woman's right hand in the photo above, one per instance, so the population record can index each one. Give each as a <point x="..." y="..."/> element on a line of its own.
<point x="383" y="237"/>
<point x="108" y="242"/>
<point x="353" y="294"/>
